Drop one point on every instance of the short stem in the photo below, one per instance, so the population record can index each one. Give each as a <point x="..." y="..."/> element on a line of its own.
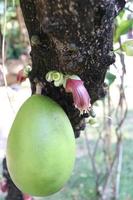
<point x="38" y="88"/>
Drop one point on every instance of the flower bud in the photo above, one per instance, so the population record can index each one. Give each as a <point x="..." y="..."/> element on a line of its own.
<point x="27" y="197"/>
<point x="80" y="94"/>
<point x="3" y="185"/>
<point x="23" y="74"/>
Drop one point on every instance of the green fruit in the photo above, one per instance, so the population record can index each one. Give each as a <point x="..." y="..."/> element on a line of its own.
<point x="40" y="147"/>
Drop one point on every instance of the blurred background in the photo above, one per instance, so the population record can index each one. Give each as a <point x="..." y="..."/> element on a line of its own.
<point x="104" y="160"/>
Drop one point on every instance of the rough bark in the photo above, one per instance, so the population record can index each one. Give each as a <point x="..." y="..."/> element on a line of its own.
<point x="73" y="37"/>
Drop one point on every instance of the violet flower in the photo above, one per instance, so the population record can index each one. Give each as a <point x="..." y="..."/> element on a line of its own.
<point x="21" y="76"/>
<point x="80" y="94"/>
<point x="27" y="197"/>
<point x="3" y="185"/>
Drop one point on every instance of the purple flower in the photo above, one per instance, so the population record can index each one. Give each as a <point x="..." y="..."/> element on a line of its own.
<point x="80" y="94"/>
<point x="3" y="185"/>
<point x="27" y="197"/>
<point x="21" y="76"/>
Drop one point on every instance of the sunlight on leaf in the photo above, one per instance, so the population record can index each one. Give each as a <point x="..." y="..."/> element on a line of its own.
<point x="127" y="46"/>
<point x="122" y="29"/>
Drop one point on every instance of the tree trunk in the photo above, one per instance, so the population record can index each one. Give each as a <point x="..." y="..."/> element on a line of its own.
<point x="73" y="37"/>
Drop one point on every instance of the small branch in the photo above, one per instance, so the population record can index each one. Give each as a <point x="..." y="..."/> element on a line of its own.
<point x="39" y="88"/>
<point x="120" y="123"/>
<point x="90" y="155"/>
<point x="122" y="116"/>
<point x="97" y="143"/>
<point x="119" y="168"/>
<point x="127" y="8"/>
<point x="106" y="137"/>
<point x="108" y="178"/>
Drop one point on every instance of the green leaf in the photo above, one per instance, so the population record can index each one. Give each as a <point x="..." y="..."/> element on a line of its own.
<point x="127" y="46"/>
<point x="92" y="121"/>
<point x="121" y="14"/>
<point x="122" y="29"/>
<point x="110" y="78"/>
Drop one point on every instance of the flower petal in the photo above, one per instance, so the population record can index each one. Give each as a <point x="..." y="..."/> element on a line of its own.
<point x="3" y="185"/>
<point x="21" y="76"/>
<point x="27" y="197"/>
<point x="80" y="94"/>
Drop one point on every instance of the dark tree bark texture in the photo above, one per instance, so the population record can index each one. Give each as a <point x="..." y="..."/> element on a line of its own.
<point x="73" y="37"/>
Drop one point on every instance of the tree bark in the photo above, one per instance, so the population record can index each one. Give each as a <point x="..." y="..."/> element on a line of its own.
<point x="73" y="37"/>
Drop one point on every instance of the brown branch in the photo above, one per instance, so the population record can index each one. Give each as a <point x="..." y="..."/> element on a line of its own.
<point x="90" y="154"/>
<point x="127" y="8"/>
<point x="122" y="116"/>
<point x="97" y="143"/>
<point x="109" y="175"/>
<point x="119" y="168"/>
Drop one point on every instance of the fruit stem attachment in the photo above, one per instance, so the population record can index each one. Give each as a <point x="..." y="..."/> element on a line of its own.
<point x="38" y="88"/>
